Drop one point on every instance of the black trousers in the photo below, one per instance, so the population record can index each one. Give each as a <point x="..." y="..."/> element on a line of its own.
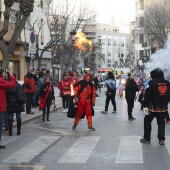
<point x="160" y="116"/>
<point x="47" y="109"/>
<point x="130" y="105"/>
<point x="29" y="97"/>
<point x="112" y="98"/>
<point x="66" y="101"/>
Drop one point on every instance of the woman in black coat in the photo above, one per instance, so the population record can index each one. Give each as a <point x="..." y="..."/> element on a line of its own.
<point x="42" y="92"/>
<point x="14" y="106"/>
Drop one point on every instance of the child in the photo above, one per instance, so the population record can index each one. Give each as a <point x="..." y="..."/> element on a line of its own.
<point x="120" y="90"/>
<point x="141" y="98"/>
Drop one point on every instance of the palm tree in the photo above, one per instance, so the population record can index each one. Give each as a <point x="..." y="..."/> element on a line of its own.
<point x="90" y="56"/>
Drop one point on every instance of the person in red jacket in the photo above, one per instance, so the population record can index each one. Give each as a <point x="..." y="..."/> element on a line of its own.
<point x="4" y="84"/>
<point x="86" y="93"/>
<point x="65" y="91"/>
<point x="29" y="89"/>
<point x="73" y="79"/>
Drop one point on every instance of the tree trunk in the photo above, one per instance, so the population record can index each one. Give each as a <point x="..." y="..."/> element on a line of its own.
<point x="5" y="54"/>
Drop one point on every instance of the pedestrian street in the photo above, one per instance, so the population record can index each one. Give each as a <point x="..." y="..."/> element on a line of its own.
<point x="115" y="145"/>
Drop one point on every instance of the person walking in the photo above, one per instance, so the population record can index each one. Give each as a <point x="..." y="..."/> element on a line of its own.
<point x="86" y="93"/>
<point x="39" y="84"/>
<point x="4" y="84"/>
<point x="110" y="93"/>
<point x="47" y="95"/>
<point x="14" y="105"/>
<point x="130" y="93"/>
<point x="155" y="104"/>
<point x="29" y="89"/>
<point x="65" y="91"/>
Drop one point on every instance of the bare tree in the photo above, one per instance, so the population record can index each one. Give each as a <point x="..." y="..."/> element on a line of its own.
<point x="25" y="8"/>
<point x="67" y="19"/>
<point x="157" y="22"/>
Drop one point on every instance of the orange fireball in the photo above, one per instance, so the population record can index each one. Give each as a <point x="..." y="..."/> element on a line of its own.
<point x="81" y="42"/>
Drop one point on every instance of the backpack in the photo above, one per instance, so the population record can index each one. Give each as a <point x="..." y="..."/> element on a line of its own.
<point x="111" y="84"/>
<point x="20" y="94"/>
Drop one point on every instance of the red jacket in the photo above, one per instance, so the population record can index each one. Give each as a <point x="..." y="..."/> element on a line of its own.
<point x="4" y="84"/>
<point x="62" y="84"/>
<point x="29" y="83"/>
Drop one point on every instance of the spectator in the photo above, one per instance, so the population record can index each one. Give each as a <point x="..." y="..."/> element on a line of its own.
<point x="29" y="89"/>
<point x="65" y="91"/>
<point x="14" y="106"/>
<point x="130" y="93"/>
<point x="47" y="93"/>
<point x="3" y="86"/>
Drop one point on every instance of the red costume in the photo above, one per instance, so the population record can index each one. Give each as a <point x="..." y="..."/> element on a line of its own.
<point x="87" y="98"/>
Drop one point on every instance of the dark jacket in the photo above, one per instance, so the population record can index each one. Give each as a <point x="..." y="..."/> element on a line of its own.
<point x="13" y="106"/>
<point x="157" y="95"/>
<point x="131" y="88"/>
<point x="43" y="91"/>
<point x="29" y="83"/>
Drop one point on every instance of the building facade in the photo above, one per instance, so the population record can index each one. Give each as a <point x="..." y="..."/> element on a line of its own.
<point x="115" y="48"/>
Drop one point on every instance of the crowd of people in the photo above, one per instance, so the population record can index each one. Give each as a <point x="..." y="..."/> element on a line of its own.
<point x="79" y="96"/>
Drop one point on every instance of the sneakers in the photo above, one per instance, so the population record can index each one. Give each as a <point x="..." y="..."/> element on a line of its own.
<point x="74" y="127"/>
<point x="162" y="142"/>
<point x="131" y="118"/>
<point x="91" y="128"/>
<point x="143" y="140"/>
<point x="114" y="111"/>
<point x="104" y="111"/>
<point x="65" y="110"/>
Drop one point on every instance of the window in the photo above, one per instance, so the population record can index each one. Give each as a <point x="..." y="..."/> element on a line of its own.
<point x="114" y="43"/>
<point x="109" y="61"/>
<point x="141" y="5"/>
<point x="141" y="22"/>
<point x="109" y="42"/>
<point x="141" y="38"/>
<point x="41" y="4"/>
<point x="109" y="54"/>
<point x="122" y="55"/>
<point x="141" y="54"/>
<point x="103" y="41"/>
<point x="122" y="44"/>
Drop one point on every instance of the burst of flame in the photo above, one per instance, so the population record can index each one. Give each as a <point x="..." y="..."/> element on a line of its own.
<point x="72" y="90"/>
<point x="81" y="41"/>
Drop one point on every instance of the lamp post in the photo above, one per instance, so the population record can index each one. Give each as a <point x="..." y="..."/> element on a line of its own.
<point x="72" y="34"/>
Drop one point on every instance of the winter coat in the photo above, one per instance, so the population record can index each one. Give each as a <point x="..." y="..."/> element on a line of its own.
<point x="43" y="90"/>
<point x="157" y="94"/>
<point x="62" y="84"/>
<point x="13" y="106"/>
<point x="131" y="88"/>
<point x="29" y="83"/>
<point x="4" y="84"/>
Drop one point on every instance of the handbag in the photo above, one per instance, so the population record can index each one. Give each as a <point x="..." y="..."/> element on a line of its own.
<point x="20" y="94"/>
<point x="42" y="100"/>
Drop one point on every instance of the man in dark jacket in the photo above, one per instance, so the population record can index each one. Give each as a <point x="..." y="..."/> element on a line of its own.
<point x="130" y="92"/>
<point x="156" y="105"/>
<point x="111" y="93"/>
<point x="29" y="89"/>
<point x="4" y="84"/>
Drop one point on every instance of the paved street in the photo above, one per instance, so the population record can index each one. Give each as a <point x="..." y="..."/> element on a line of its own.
<point x="113" y="146"/>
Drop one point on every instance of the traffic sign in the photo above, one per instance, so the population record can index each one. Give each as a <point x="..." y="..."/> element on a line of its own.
<point x="32" y="43"/>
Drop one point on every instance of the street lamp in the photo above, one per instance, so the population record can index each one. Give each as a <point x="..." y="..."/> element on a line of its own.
<point x="72" y="34"/>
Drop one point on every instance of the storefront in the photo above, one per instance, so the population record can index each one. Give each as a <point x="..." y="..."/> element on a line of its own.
<point x="17" y="60"/>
